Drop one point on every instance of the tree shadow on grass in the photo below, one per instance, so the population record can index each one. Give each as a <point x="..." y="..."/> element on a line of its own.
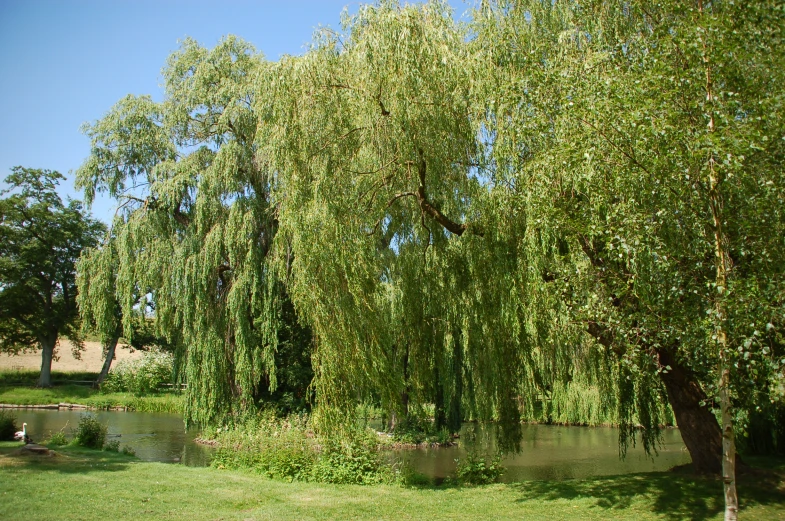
<point x="674" y="496"/>
<point x="66" y="462"/>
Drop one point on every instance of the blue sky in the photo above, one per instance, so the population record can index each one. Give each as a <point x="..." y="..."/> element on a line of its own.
<point x="65" y="63"/>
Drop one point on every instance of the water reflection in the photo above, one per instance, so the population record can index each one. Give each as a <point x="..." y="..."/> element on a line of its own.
<point x="551" y="452"/>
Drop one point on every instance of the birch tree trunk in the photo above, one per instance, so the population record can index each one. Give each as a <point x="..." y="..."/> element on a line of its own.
<point x="728" y="443"/>
<point x="721" y="280"/>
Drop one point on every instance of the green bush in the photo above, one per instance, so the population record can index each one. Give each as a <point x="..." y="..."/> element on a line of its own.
<point x="353" y="460"/>
<point x="287" y="449"/>
<point x="278" y="448"/>
<point x="7" y="426"/>
<point x="475" y="470"/>
<point x="141" y="376"/>
<point x="112" y="446"/>
<point x="414" y="431"/>
<point x="90" y="433"/>
<point x="128" y="451"/>
<point x="58" y="439"/>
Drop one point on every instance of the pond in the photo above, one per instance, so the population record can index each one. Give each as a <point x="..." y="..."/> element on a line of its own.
<point x="547" y="451"/>
<point x="552" y="452"/>
<point x="153" y="436"/>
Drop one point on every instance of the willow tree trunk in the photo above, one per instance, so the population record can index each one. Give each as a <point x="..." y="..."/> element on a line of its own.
<point x="47" y="353"/>
<point x="698" y="426"/>
<point x="109" y="351"/>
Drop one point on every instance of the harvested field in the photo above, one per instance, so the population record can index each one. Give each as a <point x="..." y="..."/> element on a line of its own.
<point x="91" y="358"/>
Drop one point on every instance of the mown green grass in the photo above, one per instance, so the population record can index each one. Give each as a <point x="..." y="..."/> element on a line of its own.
<point x="162" y="402"/>
<point x="29" y="377"/>
<point x="87" y="485"/>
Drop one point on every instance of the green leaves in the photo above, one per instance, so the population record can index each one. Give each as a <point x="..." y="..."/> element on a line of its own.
<point x="40" y="240"/>
<point x="466" y="215"/>
<point x="195" y="226"/>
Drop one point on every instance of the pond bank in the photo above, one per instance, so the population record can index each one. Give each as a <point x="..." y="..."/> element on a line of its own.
<point x="63" y="407"/>
<point x="75" y="397"/>
<point x="91" y="485"/>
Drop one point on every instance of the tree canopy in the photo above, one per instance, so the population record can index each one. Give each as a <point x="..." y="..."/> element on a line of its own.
<point x="194" y="226"/>
<point x="477" y="216"/>
<point x="40" y="241"/>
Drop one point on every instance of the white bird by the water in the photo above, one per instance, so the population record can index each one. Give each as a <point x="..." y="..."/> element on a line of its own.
<point x="22" y="435"/>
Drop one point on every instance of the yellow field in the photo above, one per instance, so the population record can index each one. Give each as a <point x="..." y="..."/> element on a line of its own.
<point x="91" y="358"/>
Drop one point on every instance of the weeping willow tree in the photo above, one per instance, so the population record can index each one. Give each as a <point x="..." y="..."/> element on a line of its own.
<point x="408" y="261"/>
<point x="370" y="138"/>
<point x="96" y="277"/>
<point x="194" y="226"/>
<point x="646" y="142"/>
<point x="458" y="220"/>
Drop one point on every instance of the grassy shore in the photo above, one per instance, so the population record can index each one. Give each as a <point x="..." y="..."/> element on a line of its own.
<point x="78" y="394"/>
<point x="81" y="484"/>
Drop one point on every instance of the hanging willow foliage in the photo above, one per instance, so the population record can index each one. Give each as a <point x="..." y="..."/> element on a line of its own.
<point x="624" y="129"/>
<point x="456" y="217"/>
<point x="413" y="270"/>
<point x="195" y="225"/>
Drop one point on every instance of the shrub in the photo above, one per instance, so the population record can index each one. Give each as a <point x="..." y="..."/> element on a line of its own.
<point x="141" y="376"/>
<point x="7" y="426"/>
<point x="286" y="448"/>
<point x="90" y="433"/>
<point x="278" y="448"/>
<point x="475" y="470"/>
<point x="58" y="439"/>
<point x="352" y="460"/>
<point x="112" y="446"/>
<point x="414" y="431"/>
<point x="128" y="451"/>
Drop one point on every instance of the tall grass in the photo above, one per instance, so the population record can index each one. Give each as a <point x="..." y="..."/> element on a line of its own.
<point x="287" y="449"/>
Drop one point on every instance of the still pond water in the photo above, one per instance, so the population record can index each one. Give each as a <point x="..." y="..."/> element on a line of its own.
<point x="547" y="452"/>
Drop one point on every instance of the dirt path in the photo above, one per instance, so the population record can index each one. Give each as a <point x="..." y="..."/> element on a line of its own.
<point x="92" y="359"/>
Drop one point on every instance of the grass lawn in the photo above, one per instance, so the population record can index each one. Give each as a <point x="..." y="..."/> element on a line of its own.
<point x="84" y="485"/>
<point x="78" y="394"/>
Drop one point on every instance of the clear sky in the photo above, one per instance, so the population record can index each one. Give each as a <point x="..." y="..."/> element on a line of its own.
<point x="66" y="62"/>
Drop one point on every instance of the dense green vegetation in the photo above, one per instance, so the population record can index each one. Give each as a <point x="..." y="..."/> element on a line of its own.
<point x="86" y="485"/>
<point x="145" y="375"/>
<point x="288" y="449"/>
<point x="481" y="217"/>
<point x="556" y="211"/>
<point x="90" y="433"/>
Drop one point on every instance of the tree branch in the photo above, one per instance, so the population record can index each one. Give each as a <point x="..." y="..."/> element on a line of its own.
<point x="428" y="208"/>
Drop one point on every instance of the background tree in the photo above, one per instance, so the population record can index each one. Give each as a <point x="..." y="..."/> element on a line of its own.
<point x="40" y="242"/>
